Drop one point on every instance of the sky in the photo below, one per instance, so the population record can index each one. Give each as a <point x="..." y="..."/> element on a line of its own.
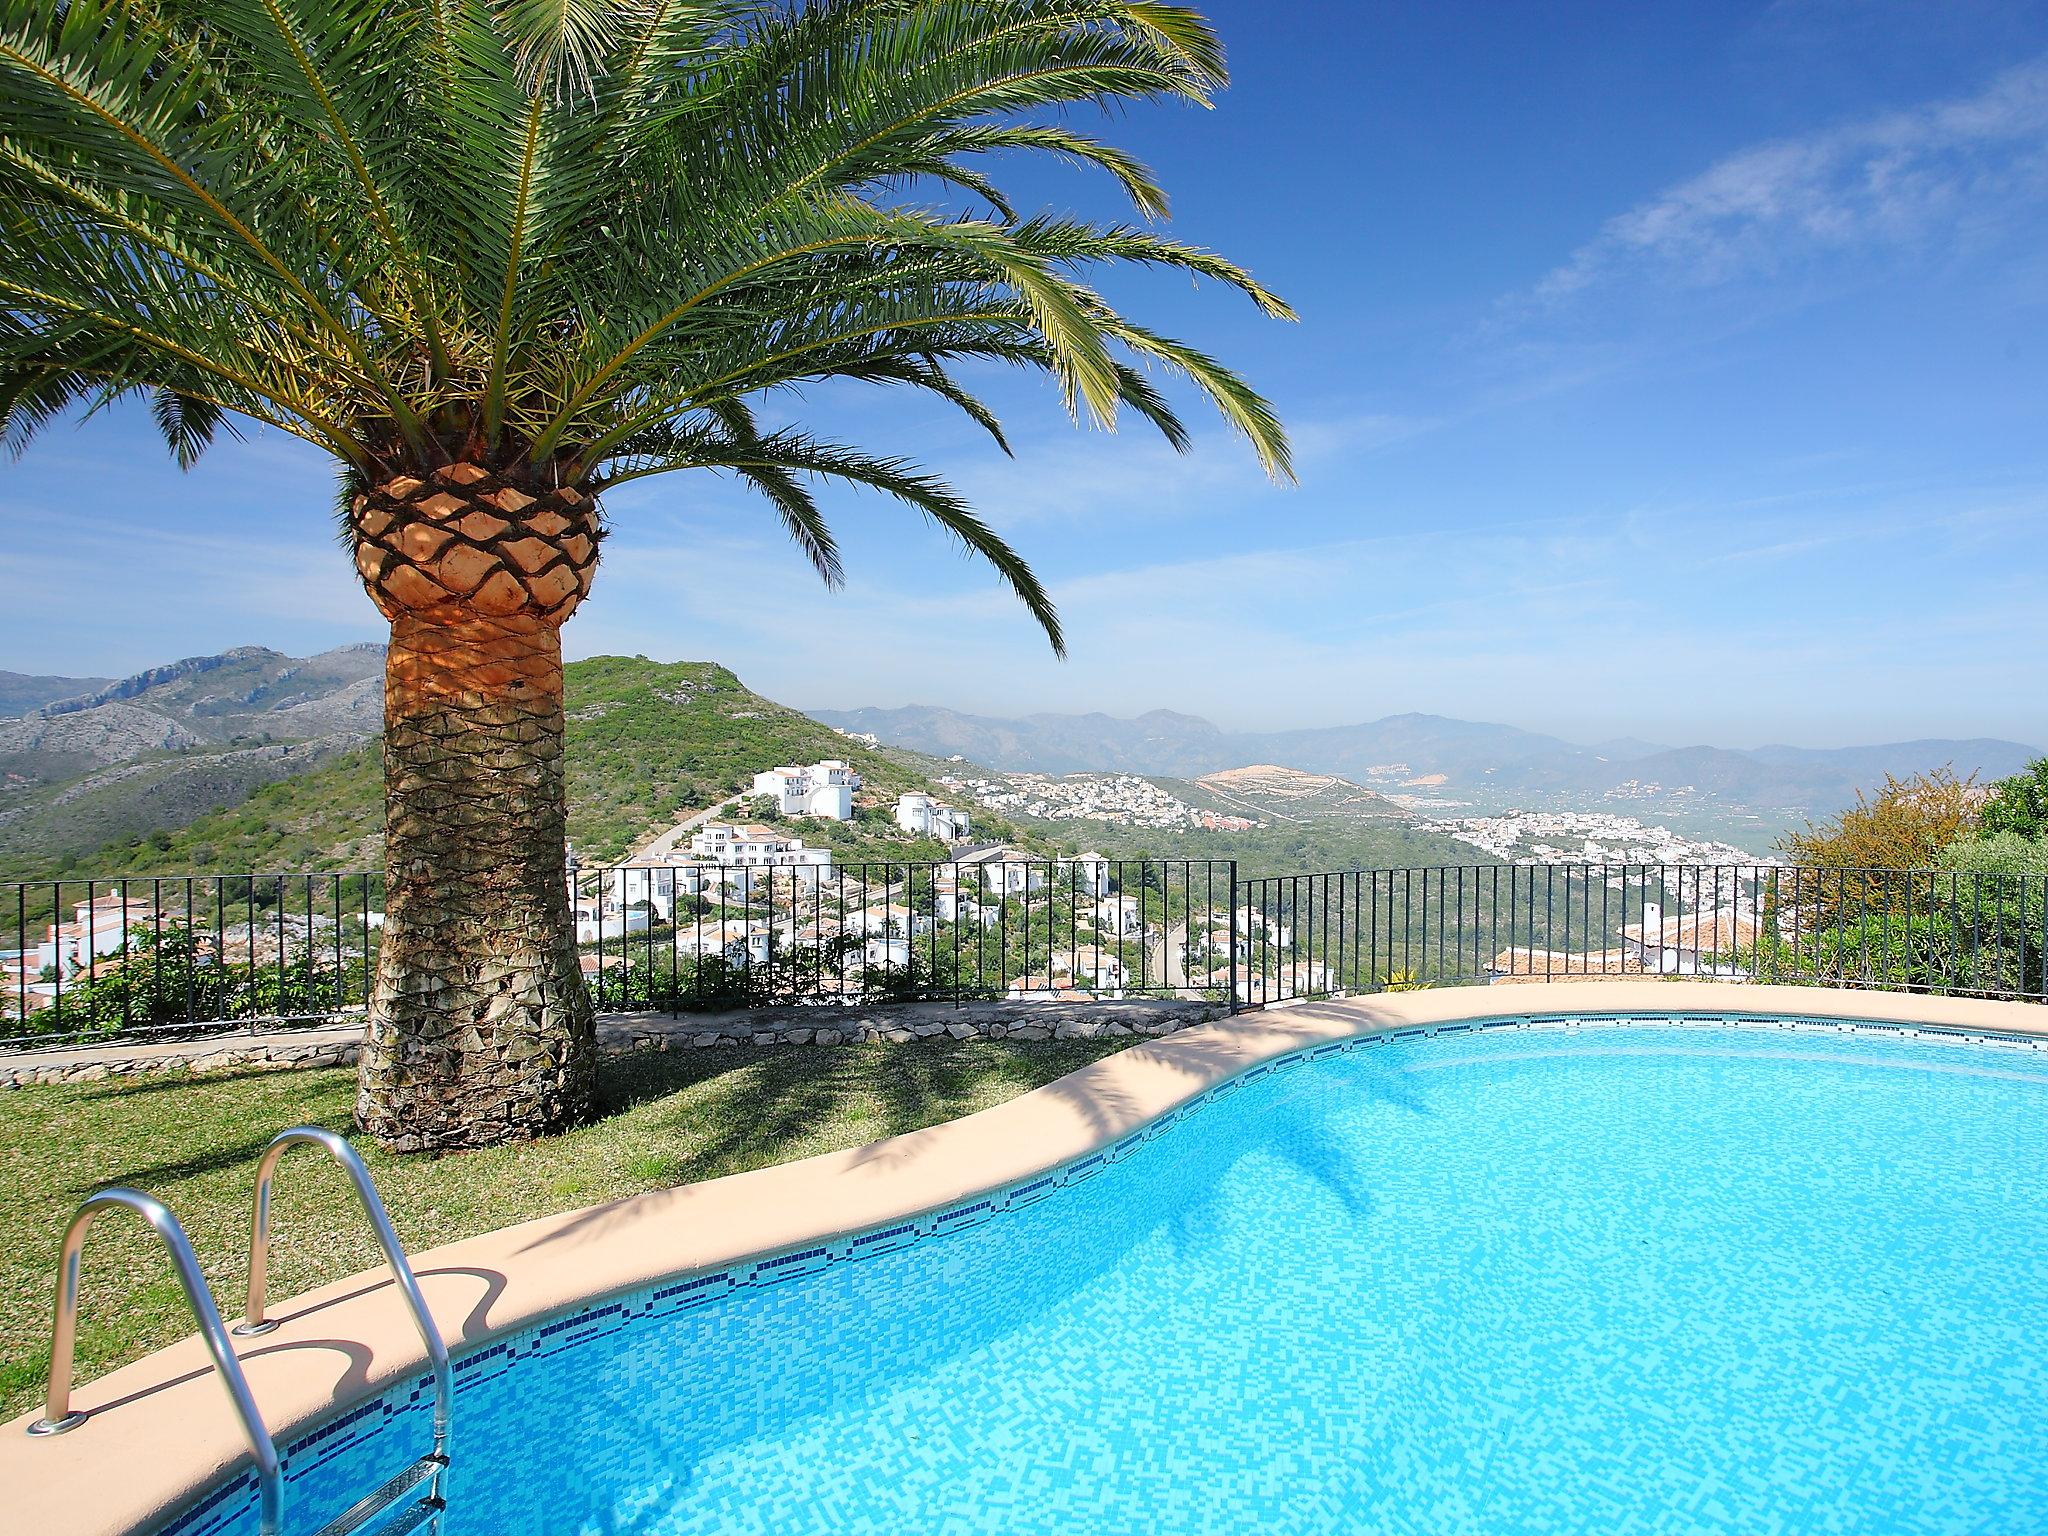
<point x="1669" y="371"/>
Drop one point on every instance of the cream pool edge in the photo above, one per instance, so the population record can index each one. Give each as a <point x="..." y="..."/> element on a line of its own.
<point x="160" y="1431"/>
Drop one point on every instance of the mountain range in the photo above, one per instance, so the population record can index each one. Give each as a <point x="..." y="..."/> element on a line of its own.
<point x="88" y="761"/>
<point x="1440" y="762"/>
<point x="90" y="764"/>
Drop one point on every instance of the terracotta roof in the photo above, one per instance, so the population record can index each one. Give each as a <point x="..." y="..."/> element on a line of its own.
<point x="1560" y="965"/>
<point x="1705" y="931"/>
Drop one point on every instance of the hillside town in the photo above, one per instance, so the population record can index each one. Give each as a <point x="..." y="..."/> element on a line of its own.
<point x="1587" y="837"/>
<point x="1122" y="799"/>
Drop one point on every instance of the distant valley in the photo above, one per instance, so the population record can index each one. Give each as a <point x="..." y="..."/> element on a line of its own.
<point x="1455" y="767"/>
<point x="254" y="756"/>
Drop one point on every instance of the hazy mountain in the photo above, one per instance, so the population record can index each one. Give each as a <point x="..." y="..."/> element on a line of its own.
<point x="1187" y="746"/>
<point x="243" y="694"/>
<point x="1434" y="758"/>
<point x="1159" y="742"/>
<point x="20" y="692"/>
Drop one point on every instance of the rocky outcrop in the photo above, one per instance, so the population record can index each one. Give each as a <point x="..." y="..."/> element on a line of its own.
<point x="100" y="736"/>
<point x="156" y="677"/>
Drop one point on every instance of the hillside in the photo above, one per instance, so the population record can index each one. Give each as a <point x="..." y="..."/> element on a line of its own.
<point x="44" y="827"/>
<point x="248" y="694"/>
<point x="1287" y="794"/>
<point x="111" y="762"/>
<point x="1310" y="845"/>
<point x="648" y="742"/>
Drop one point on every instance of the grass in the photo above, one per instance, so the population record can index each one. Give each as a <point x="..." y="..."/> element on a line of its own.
<point x="667" y="1118"/>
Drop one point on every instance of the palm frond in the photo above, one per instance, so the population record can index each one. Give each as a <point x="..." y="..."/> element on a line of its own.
<point x="574" y="238"/>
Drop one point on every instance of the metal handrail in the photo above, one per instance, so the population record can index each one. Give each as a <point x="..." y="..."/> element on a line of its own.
<point x="254" y="1321"/>
<point x="59" y="1415"/>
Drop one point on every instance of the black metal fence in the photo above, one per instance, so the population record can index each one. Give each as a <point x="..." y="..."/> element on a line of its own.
<point x="164" y="955"/>
<point x="701" y="936"/>
<point x="152" y="956"/>
<point x="1935" y="931"/>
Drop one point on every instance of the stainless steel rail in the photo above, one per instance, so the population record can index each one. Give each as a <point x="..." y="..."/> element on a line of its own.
<point x="255" y="1322"/>
<point x="59" y="1415"/>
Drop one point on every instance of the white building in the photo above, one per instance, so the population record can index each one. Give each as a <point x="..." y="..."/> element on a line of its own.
<point x="1096" y="966"/>
<point x="820" y="789"/>
<point x="749" y="847"/>
<point x="1299" y="978"/>
<point x="1002" y="870"/>
<point x="1038" y="988"/>
<point x="922" y="816"/>
<point x="595" y="922"/>
<point x="100" y="928"/>
<point x="736" y="943"/>
<point x="652" y="888"/>
<point x="894" y="921"/>
<point x="885" y="953"/>
<point x="949" y="906"/>
<point x="1085" y="873"/>
<point x="1705" y="944"/>
<point x="1119" y="916"/>
<point x="1254" y="926"/>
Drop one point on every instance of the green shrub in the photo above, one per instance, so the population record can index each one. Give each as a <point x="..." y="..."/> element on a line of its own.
<point x="2018" y="805"/>
<point x="2000" y="853"/>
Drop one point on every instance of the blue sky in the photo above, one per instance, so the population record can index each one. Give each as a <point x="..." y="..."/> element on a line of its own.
<point x="1678" y="371"/>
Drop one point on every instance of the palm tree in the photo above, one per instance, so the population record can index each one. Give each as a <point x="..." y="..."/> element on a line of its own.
<point x="496" y="256"/>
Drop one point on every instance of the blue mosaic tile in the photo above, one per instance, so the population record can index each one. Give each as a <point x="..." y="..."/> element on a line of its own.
<point x="1549" y="1274"/>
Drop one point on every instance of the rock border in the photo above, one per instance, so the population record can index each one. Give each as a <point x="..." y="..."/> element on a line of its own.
<point x="336" y="1045"/>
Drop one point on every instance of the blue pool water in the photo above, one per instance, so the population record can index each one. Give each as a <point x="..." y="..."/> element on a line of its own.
<point x="1613" y="1279"/>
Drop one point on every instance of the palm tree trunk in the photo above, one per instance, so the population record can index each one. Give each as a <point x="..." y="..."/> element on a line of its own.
<point x="480" y="1027"/>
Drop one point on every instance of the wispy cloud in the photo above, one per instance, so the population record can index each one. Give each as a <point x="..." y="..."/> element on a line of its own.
<point x="1944" y="169"/>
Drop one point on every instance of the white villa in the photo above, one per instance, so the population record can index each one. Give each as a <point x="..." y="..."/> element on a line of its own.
<point x="751" y="846"/>
<point x="1085" y="873"/>
<point x="1003" y="870"/>
<point x="1119" y="916"/>
<point x="1295" y="978"/>
<point x="99" y="928"/>
<point x="1252" y="922"/>
<point x="891" y="921"/>
<point x="1104" y="969"/>
<point x="886" y="952"/>
<point x="1689" y="946"/>
<point x="819" y="789"/>
<point x="949" y="906"/>
<point x="922" y="816"/>
<point x="739" y="943"/>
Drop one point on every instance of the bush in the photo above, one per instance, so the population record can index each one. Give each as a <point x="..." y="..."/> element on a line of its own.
<point x="1907" y="825"/>
<point x="2018" y="805"/>
<point x="1998" y="853"/>
<point x="172" y="978"/>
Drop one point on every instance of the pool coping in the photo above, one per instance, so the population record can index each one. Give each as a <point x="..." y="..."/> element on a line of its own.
<point x="163" y="1425"/>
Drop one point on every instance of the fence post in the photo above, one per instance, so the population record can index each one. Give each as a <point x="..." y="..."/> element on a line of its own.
<point x="1231" y="1004"/>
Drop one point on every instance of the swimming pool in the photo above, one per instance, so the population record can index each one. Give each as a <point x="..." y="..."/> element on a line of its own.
<point x="1526" y="1278"/>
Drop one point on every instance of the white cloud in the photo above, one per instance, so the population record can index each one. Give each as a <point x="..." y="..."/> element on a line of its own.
<point x="1942" y="170"/>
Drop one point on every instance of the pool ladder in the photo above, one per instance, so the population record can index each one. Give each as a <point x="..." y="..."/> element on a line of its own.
<point x="379" y="1510"/>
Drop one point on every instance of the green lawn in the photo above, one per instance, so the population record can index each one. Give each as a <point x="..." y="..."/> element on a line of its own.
<point x="668" y="1118"/>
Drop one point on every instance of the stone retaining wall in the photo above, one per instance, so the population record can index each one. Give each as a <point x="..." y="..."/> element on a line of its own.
<point x="335" y="1045"/>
